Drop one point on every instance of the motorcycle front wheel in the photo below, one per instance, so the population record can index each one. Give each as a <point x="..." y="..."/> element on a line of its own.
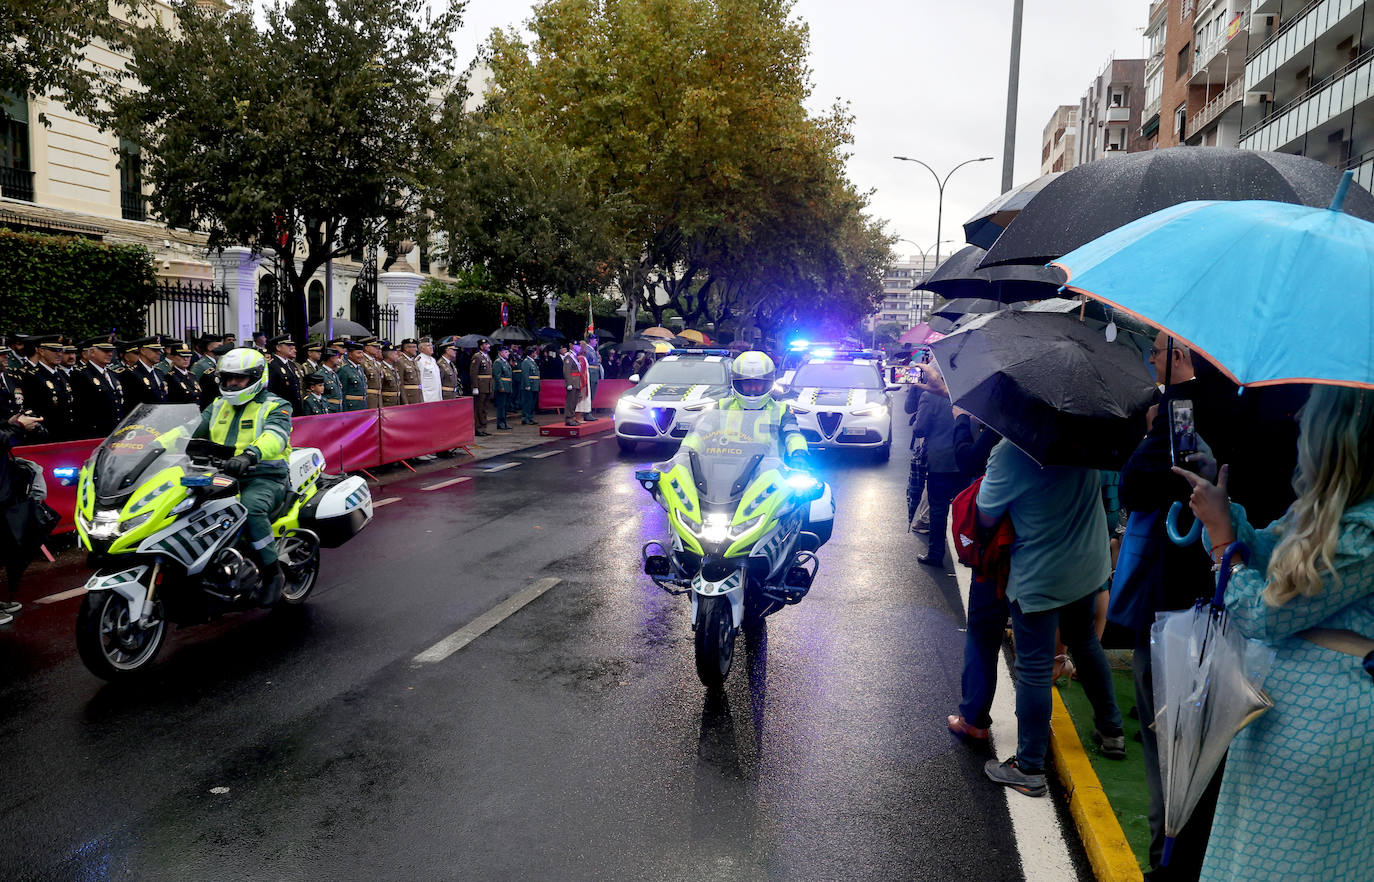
<point x="714" y="640"/>
<point x="300" y="564"/>
<point x="111" y="646"/>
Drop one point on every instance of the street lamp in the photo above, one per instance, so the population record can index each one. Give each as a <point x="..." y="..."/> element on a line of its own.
<point x="924" y="264"/>
<point x="940" y="213"/>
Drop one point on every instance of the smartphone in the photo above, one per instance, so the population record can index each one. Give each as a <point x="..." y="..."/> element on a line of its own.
<point x="918" y="375"/>
<point x="1182" y="433"/>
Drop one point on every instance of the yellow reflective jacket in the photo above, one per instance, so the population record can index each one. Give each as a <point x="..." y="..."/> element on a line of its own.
<point x="264" y="424"/>
<point x="773" y="414"/>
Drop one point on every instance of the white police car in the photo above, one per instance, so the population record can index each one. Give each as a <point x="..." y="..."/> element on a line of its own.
<point x="842" y="403"/>
<point x="672" y="395"/>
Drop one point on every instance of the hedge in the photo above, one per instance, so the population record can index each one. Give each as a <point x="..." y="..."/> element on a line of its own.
<point x="463" y="307"/>
<point x="73" y="286"/>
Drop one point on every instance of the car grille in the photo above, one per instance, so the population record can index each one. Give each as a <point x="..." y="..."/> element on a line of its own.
<point x="829" y="422"/>
<point x="663" y="417"/>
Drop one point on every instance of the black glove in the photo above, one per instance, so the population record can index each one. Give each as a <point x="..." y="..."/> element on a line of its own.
<point x="797" y="459"/>
<point x="238" y="466"/>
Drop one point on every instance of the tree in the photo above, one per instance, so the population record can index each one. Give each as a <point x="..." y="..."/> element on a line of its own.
<point x="49" y="46"/>
<point x="886" y="334"/>
<point x="307" y="135"/>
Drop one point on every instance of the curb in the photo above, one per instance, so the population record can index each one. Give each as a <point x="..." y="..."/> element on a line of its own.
<point x="1108" y="852"/>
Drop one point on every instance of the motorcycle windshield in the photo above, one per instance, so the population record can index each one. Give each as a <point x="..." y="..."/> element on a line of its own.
<point x="725" y="450"/>
<point x="150" y="438"/>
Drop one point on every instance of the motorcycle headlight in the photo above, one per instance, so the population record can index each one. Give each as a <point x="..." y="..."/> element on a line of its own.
<point x="716" y="528"/>
<point x="104" y="525"/>
<point x="135" y="522"/>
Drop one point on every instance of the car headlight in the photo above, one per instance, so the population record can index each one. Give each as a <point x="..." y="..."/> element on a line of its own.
<point x="699" y="407"/>
<point x="628" y="404"/>
<point x="871" y="410"/>
<point x="795" y="409"/>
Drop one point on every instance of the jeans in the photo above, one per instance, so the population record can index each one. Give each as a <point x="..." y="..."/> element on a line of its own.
<point x="1035" y="650"/>
<point x="941" y="487"/>
<point x="987" y="619"/>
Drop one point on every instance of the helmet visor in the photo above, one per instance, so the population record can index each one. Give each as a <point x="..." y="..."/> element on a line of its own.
<point x="235" y="382"/>
<point x="752" y="387"/>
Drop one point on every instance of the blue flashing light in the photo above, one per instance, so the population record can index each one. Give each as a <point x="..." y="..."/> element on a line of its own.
<point x="65" y="472"/>
<point x="799" y="344"/>
<point x="827" y="352"/>
<point x="801" y="481"/>
<point x="196" y="481"/>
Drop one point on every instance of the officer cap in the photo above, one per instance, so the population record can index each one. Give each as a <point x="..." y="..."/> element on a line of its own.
<point x="145" y="343"/>
<point x="409" y="340"/>
<point x="326" y="354"/>
<point x="314" y="380"/>
<point x="338" y="342"/>
<point x="97" y="343"/>
<point x="278" y="340"/>
<point x="483" y="340"/>
<point x="387" y="347"/>
<point x="171" y="342"/>
<point x="314" y="347"/>
<point x="124" y="346"/>
<point x="180" y="349"/>
<point x="68" y="345"/>
<point x="352" y="345"/>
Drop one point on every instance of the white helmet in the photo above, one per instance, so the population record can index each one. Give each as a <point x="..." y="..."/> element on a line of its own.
<point x="239" y="364"/>
<point x="752" y="376"/>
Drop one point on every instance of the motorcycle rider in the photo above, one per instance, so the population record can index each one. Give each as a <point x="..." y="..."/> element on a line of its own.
<point x="257" y="424"/>
<point x="752" y="375"/>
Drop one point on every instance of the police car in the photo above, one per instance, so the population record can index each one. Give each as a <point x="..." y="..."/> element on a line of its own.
<point x="841" y="402"/>
<point x="672" y="395"/>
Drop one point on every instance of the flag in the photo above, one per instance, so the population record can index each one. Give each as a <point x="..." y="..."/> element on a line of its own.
<point x="591" y="322"/>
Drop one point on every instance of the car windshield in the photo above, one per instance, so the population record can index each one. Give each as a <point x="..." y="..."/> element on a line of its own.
<point x="151" y="438"/>
<point x="726" y="448"/>
<point x="688" y="372"/>
<point x="837" y="375"/>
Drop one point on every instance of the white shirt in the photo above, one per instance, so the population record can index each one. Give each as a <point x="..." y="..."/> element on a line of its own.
<point x="430" y="387"/>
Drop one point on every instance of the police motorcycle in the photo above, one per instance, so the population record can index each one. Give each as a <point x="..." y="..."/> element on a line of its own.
<point x="745" y="530"/>
<point x="163" y="527"/>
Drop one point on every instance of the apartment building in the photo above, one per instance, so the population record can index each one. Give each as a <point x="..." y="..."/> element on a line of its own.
<point x="1109" y="113"/>
<point x="901" y="304"/>
<point x="1058" y="142"/>
<point x="1309" y="82"/>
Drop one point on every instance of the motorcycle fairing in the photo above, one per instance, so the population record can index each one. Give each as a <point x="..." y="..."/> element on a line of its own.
<point x="191" y="541"/>
<point x="127" y="584"/>
<point x="732" y="587"/>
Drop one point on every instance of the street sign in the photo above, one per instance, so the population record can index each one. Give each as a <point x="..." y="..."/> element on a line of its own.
<point x="505" y="314"/>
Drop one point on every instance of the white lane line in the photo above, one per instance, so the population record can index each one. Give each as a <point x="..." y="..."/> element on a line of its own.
<point x="546" y="455"/>
<point x="1039" y="835"/>
<point x="502" y="467"/>
<point x="585" y="443"/>
<point x="449" y="483"/>
<point x="65" y="595"/>
<point x="483" y="623"/>
<point x="378" y="503"/>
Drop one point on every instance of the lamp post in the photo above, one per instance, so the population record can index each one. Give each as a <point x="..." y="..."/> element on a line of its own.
<point x="917" y="312"/>
<point x="940" y="183"/>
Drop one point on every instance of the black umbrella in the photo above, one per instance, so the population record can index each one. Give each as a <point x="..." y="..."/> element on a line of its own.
<point x="1098" y="316"/>
<point x="638" y="345"/>
<point x="959" y="277"/>
<point x="953" y="309"/>
<point x="550" y="334"/>
<point x="1093" y="199"/>
<point x="468" y="341"/>
<point x="342" y="328"/>
<point x="1049" y="384"/>
<point x="511" y="333"/>
<point x="984" y="227"/>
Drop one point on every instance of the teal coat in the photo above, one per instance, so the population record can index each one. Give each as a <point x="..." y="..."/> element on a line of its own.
<point x="501" y="373"/>
<point x="530" y="371"/>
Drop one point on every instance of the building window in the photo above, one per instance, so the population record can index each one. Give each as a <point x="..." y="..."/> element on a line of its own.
<point x="1180" y="119"/>
<point x="16" y="176"/>
<point x="1184" y="61"/>
<point x="132" y="205"/>
<point x="315" y="301"/>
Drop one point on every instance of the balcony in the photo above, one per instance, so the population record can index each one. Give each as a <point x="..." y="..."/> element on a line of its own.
<point x="1337" y="94"/>
<point x="1296" y="35"/>
<point x="133" y="206"/>
<point x="16" y="183"/>
<point x="1223" y="42"/>
<point x="1214" y="108"/>
<point x="1151" y="110"/>
<point x="1118" y="114"/>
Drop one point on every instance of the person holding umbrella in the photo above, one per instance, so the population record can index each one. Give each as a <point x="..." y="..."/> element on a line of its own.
<point x="1295" y="796"/>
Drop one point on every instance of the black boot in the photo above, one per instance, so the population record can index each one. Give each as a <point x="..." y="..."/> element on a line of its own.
<point x="272" y="581"/>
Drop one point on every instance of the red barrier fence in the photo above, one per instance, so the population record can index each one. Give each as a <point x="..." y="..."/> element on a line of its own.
<point x="552" y="394"/>
<point x="360" y="439"/>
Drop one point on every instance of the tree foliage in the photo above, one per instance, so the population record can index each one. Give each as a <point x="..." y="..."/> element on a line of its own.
<point x="305" y="129"/>
<point x="48" y="47"/>
<point x="74" y="285"/>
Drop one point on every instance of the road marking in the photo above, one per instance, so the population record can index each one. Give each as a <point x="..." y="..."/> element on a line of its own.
<point x="449" y="483"/>
<point x="546" y="455"/>
<point x="502" y="467"/>
<point x="65" y="595"/>
<point x="378" y="503"/>
<point x="483" y="623"/>
<point x="585" y="443"/>
<point x="1039" y="835"/>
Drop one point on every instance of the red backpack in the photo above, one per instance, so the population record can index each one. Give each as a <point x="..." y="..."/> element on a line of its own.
<point x="985" y="550"/>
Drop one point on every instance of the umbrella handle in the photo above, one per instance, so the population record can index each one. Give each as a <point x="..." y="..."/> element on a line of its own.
<point x="1168" y="851"/>
<point x="1235" y="549"/>
<point x="1171" y="526"/>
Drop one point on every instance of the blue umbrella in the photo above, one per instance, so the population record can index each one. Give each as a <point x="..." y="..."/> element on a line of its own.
<point x="1270" y="292"/>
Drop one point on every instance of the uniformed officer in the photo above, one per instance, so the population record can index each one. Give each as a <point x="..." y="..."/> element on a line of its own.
<point x="282" y="379"/>
<point x="517" y="376"/>
<point x="206" y="362"/>
<point x="147" y="384"/>
<point x="529" y="388"/>
<point x="96" y="392"/>
<point x="503" y="385"/>
<point x="209" y="378"/>
<point x="372" y="370"/>
<point x="572" y="384"/>
<point x="391" y="377"/>
<point x="182" y="388"/>
<point x="314" y="402"/>
<point x="69" y="353"/>
<point x="352" y="378"/>
<point x="330" y="358"/>
<point x="445" y="354"/>
<point x="480" y="373"/>
<point x="21" y="358"/>
<point x="409" y="368"/>
<point x="47" y="393"/>
<point x="313" y="351"/>
<point x="11" y="398"/>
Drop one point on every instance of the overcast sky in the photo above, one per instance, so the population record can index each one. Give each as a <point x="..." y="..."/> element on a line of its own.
<point x="928" y="79"/>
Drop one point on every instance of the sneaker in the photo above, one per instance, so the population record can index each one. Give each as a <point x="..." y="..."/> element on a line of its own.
<point x="1010" y="775"/>
<point x="1113" y="747"/>
<point x="11" y="607"/>
<point x="959" y="726"/>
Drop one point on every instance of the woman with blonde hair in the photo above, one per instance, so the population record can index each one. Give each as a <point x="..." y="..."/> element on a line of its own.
<point x="1297" y="798"/>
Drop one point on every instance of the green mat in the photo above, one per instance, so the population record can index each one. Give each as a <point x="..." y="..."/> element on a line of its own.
<point x="1122" y="780"/>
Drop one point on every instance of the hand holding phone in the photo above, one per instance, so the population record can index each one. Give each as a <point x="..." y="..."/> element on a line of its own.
<point x="1182" y="434"/>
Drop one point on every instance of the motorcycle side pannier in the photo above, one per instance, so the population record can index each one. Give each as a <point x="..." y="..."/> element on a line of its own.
<point x="339" y="511"/>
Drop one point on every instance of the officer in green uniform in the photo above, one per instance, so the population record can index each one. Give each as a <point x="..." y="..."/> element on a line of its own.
<point x="314" y="402"/>
<point x="504" y="385"/>
<point x="257" y="425"/>
<point x="529" y="389"/>
<point x="206" y="362"/>
<point x="352" y="380"/>
<point x="330" y="359"/>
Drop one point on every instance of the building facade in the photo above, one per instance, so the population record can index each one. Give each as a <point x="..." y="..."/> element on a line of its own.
<point x="902" y="304"/>
<point x="1058" y="142"/>
<point x="1109" y="113"/>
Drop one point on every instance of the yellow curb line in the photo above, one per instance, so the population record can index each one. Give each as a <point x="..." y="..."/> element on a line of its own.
<point x="1103" y="839"/>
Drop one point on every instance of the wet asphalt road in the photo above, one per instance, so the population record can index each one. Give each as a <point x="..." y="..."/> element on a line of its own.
<point x="571" y="741"/>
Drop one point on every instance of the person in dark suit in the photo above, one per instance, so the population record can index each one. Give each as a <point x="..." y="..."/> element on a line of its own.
<point x="97" y="393"/>
<point x="282" y="379"/>
<point x="147" y="383"/>
<point x="182" y="387"/>
<point x="47" y="393"/>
